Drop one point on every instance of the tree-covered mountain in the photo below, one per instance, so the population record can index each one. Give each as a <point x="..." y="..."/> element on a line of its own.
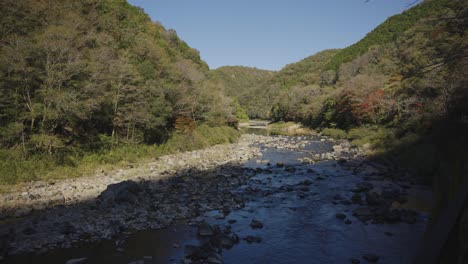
<point x="256" y="90"/>
<point x="309" y="71"/>
<point x="394" y="75"/>
<point x="248" y="87"/>
<point x="85" y="75"/>
<point x="389" y="31"/>
<point x="409" y="71"/>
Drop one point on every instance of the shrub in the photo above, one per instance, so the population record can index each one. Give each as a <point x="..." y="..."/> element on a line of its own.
<point x="334" y="133"/>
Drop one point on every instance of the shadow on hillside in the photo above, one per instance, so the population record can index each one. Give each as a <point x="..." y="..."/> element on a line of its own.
<point x="441" y="159"/>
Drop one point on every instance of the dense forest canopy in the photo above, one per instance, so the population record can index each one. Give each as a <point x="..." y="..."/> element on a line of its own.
<point x="86" y="76"/>
<point x="76" y="72"/>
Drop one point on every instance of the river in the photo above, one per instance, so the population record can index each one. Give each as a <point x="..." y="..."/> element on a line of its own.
<point x="308" y="213"/>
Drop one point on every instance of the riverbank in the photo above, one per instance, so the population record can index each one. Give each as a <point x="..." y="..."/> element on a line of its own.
<point x="17" y="167"/>
<point x="278" y="128"/>
<point x="105" y="197"/>
<point x="42" y="195"/>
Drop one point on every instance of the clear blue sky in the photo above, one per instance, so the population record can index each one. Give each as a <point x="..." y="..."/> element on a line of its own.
<point x="268" y="34"/>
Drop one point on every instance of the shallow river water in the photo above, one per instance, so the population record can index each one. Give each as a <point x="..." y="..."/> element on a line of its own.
<point x="299" y="226"/>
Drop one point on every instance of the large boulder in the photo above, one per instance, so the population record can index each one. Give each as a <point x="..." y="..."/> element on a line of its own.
<point x="122" y="192"/>
<point x="256" y="224"/>
<point x="206" y="230"/>
<point x="374" y="199"/>
<point x="363" y="187"/>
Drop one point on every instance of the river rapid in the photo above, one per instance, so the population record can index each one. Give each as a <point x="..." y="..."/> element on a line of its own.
<point x="303" y="200"/>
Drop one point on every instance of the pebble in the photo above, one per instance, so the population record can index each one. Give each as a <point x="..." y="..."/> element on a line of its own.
<point x="255" y="224"/>
<point x="340" y="216"/>
<point x="253" y="239"/>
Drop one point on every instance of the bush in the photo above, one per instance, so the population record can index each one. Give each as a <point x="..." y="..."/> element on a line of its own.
<point x="334" y="133"/>
<point x="361" y="132"/>
<point x="362" y="135"/>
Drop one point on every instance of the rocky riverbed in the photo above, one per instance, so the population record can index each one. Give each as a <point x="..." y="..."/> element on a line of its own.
<point x="227" y="195"/>
<point x="44" y="195"/>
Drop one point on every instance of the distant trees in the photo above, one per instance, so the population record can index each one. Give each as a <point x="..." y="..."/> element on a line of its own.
<point x="328" y="77"/>
<point x="263" y="94"/>
<point x="249" y="87"/>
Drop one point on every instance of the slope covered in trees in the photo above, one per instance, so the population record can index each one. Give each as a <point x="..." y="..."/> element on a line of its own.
<point x="406" y="82"/>
<point x="256" y="90"/>
<point x="308" y="71"/>
<point x="89" y="75"/>
<point x="300" y="87"/>
<point x="80" y="76"/>
<point x="248" y="86"/>
<point x="394" y="62"/>
<point x="404" y="75"/>
<point x="389" y="31"/>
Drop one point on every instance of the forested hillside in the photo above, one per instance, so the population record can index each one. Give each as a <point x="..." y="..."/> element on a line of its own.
<point x="90" y="75"/>
<point x="390" y="87"/>
<point x="389" y="31"/>
<point x="248" y="86"/>
<point x="411" y="76"/>
<point x="256" y="90"/>
<point x="308" y="71"/>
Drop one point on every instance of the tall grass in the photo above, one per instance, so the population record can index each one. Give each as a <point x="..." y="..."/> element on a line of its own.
<point x="288" y="129"/>
<point x="16" y="168"/>
<point x="334" y="133"/>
